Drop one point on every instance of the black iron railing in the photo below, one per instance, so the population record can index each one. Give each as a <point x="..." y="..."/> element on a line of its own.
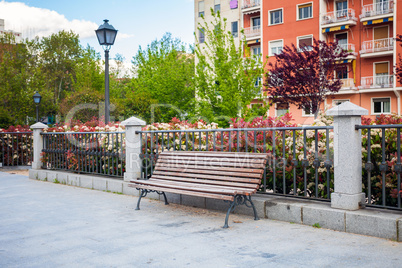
<point x="300" y="157"/>
<point x="101" y="153"/>
<point x="16" y="148"/>
<point x="382" y="165"/>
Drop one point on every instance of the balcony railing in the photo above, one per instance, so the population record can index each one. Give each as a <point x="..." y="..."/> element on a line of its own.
<point x="250" y="3"/>
<point x="347" y="83"/>
<point x="377" y="45"/>
<point x="339" y="16"/>
<point x="380" y="81"/>
<point x="348" y="47"/>
<point x="252" y="31"/>
<point x="377" y="9"/>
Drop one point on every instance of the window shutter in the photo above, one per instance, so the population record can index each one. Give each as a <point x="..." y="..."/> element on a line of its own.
<point x="381" y="68"/>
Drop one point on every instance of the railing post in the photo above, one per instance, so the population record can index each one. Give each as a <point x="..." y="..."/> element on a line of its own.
<point x="133" y="148"/>
<point x="348" y="193"/>
<point x="37" y="128"/>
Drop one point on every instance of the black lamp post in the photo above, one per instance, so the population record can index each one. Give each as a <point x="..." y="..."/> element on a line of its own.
<point x="106" y="34"/>
<point x="37" y="98"/>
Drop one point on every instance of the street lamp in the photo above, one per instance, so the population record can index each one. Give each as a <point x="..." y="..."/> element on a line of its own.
<point x="37" y="98"/>
<point x="106" y="35"/>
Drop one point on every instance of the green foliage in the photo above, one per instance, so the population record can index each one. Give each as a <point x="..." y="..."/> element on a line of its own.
<point x="165" y="73"/>
<point x="225" y="80"/>
<point x="316" y="225"/>
<point x="142" y="105"/>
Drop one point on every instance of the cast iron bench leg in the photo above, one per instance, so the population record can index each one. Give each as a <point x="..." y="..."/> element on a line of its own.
<point x="231" y="208"/>
<point x="164" y="195"/>
<point x="256" y="218"/>
<point x="143" y="194"/>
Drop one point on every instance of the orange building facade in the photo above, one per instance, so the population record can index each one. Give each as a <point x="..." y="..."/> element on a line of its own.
<point x="366" y="28"/>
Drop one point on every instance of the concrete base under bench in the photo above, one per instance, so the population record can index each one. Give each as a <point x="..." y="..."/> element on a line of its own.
<point x="368" y="221"/>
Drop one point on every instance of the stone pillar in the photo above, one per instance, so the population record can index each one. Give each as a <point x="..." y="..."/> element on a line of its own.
<point x="348" y="193"/>
<point x="37" y="128"/>
<point x="133" y="148"/>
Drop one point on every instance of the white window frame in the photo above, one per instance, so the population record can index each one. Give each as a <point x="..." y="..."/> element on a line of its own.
<point x="203" y="12"/>
<point x="303" y="37"/>
<point x="231" y="30"/>
<point x="297" y="11"/>
<point x="341" y="100"/>
<point x="276" y="109"/>
<point x="372" y="105"/>
<point x="269" y="46"/>
<point x="307" y="115"/>
<point x="347" y="69"/>
<point x="340" y="1"/>
<point x="217" y="3"/>
<point x="269" y="16"/>
<point x="381" y="26"/>
<point x="251" y="20"/>
<point x="252" y="51"/>
<point x="384" y="61"/>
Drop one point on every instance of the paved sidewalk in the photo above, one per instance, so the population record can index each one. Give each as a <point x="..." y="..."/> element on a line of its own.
<point x="43" y="224"/>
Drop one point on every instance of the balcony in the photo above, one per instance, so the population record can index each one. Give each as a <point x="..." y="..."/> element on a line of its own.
<point x="339" y="18"/>
<point x="381" y="81"/>
<point x="252" y="32"/>
<point x="377" y="48"/>
<point x="377" y="10"/>
<point x="251" y="5"/>
<point x="347" y="83"/>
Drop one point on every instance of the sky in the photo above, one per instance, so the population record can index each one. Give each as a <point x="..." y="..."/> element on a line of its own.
<point x="138" y="22"/>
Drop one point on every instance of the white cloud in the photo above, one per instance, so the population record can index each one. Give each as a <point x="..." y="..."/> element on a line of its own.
<point x="33" y="21"/>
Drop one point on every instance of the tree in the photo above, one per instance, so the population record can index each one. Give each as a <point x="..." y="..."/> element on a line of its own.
<point x="225" y="79"/>
<point x="20" y="77"/>
<point x="398" y="66"/>
<point x="59" y="54"/>
<point x="165" y="72"/>
<point x="305" y="76"/>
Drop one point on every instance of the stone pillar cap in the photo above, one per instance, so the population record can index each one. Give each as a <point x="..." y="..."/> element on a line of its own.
<point x="347" y="109"/>
<point x="133" y="121"/>
<point x="38" y="125"/>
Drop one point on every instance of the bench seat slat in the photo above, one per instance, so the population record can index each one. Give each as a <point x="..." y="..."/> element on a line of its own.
<point x="202" y="187"/>
<point x="213" y="164"/>
<point x="218" y="154"/>
<point x="202" y="176"/>
<point x="177" y="191"/>
<point x="186" y="186"/>
<point x="230" y="169"/>
<point x="239" y="190"/>
<point x="209" y="171"/>
<point x="223" y="183"/>
<point x="213" y="158"/>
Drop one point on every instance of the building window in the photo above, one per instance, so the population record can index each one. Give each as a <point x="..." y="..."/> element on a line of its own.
<point x="217" y="6"/>
<point x="382" y="77"/>
<point x="200" y="8"/>
<point x="305" y="11"/>
<point x="256" y="51"/>
<point x="341" y="9"/>
<point x="305" y="43"/>
<point x="201" y="35"/>
<point x="275" y="47"/>
<point x="382" y="106"/>
<point x="282" y="108"/>
<point x="342" y="39"/>
<point x="275" y="17"/>
<point x="308" y="111"/>
<point x="256" y="22"/>
<point x="257" y="82"/>
<point x="342" y="72"/>
<point x="338" y="102"/>
<point x="235" y="29"/>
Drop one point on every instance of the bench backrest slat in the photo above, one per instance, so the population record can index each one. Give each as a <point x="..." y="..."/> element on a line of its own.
<point x="237" y="170"/>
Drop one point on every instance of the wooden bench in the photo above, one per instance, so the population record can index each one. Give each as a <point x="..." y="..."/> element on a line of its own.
<point x="229" y="176"/>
